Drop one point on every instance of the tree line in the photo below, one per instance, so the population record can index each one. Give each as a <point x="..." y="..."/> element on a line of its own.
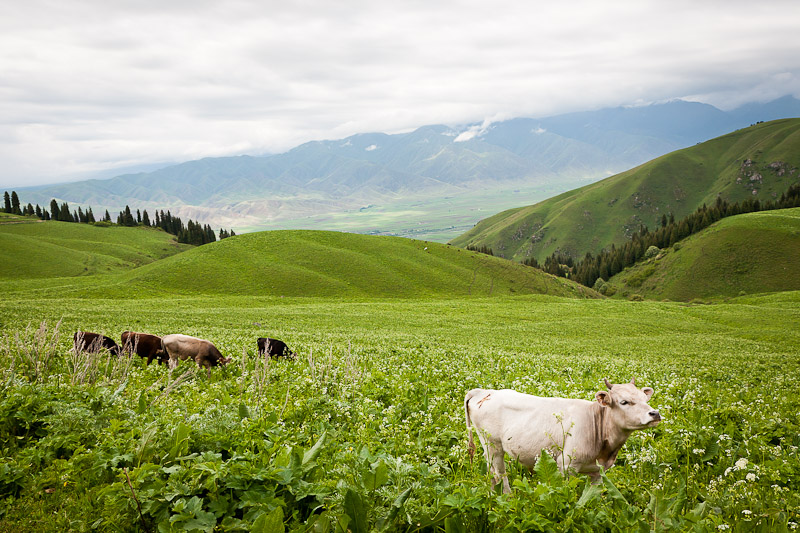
<point x="190" y="233"/>
<point x="613" y="260"/>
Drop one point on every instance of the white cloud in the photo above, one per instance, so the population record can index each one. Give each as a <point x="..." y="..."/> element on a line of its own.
<point x="90" y="84"/>
<point x="371" y="147"/>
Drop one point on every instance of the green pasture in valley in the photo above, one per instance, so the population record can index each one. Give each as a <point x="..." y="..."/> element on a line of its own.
<point x="33" y="249"/>
<point x="365" y="429"/>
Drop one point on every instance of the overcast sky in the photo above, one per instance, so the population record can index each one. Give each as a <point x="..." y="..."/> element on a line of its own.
<point x="88" y="85"/>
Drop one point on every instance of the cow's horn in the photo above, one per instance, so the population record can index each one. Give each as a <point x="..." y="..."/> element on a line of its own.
<point x="633" y="381"/>
<point x="607" y="383"/>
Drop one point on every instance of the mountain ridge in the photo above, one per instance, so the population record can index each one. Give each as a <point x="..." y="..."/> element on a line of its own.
<point x="756" y="162"/>
<point x="433" y="160"/>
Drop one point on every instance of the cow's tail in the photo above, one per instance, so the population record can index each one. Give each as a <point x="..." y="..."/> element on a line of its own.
<point x="471" y="442"/>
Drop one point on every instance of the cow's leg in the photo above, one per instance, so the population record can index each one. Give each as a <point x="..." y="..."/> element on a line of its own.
<point x="497" y="464"/>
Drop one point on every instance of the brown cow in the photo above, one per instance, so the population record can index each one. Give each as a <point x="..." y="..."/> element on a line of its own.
<point x="274" y="348"/>
<point x="86" y="341"/>
<point x="203" y="352"/>
<point x="145" y="345"/>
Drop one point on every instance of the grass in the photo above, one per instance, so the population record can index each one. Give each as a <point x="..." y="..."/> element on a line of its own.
<point x="592" y="217"/>
<point x="313" y="263"/>
<point x="379" y="387"/>
<point x="42" y="250"/>
<point x="744" y="254"/>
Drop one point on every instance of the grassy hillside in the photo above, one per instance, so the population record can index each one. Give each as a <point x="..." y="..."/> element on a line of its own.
<point x="745" y="254"/>
<point x="756" y="162"/>
<point x="319" y="263"/>
<point x="33" y="249"/>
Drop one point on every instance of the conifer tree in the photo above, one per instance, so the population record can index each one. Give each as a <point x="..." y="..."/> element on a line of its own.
<point x="6" y="202"/>
<point x="54" y="209"/>
<point x="15" y="203"/>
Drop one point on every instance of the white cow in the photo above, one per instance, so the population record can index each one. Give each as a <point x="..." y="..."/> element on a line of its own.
<point x="581" y="435"/>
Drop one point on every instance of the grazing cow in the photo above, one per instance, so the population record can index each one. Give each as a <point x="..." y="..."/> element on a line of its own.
<point x="274" y="348"/>
<point x="86" y="341"/>
<point x="145" y="345"/>
<point x="200" y="350"/>
<point x="579" y="434"/>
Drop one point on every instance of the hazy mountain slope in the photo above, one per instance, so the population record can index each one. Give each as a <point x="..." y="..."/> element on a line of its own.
<point x="432" y="161"/>
<point x="756" y="162"/>
<point x="745" y="254"/>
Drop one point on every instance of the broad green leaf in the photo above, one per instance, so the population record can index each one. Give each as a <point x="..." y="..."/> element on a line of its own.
<point x="589" y="494"/>
<point x="311" y="455"/>
<point x="269" y="522"/>
<point x="547" y="469"/>
<point x="354" y="509"/>
<point x="376" y="477"/>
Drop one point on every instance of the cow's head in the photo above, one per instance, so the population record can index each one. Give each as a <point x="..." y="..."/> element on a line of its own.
<point x="225" y="360"/>
<point x="628" y="406"/>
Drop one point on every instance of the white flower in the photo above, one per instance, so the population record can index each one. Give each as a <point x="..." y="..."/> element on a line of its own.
<point x="751" y="477"/>
<point x="741" y="464"/>
<point x="698" y="451"/>
<point x="723" y="527"/>
<point x="747" y="512"/>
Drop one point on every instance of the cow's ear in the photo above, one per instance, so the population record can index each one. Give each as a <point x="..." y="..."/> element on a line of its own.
<point x="603" y="398"/>
<point x="648" y="392"/>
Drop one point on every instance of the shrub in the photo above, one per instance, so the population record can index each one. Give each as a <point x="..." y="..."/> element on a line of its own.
<point x="652" y="252"/>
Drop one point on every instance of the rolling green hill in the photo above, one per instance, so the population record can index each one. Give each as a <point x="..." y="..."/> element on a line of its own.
<point x="34" y="249"/>
<point x="332" y="264"/>
<point x="756" y="162"/>
<point x="745" y="254"/>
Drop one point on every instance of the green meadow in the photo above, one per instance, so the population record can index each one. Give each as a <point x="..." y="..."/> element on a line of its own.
<point x="365" y="430"/>
<point x="744" y="254"/>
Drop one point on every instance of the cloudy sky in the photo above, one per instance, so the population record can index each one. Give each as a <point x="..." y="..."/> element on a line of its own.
<point x="89" y="85"/>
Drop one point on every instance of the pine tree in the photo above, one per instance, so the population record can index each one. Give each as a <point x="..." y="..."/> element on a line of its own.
<point x="90" y="216"/>
<point x="138" y="217"/>
<point x="7" y="202"/>
<point x="39" y="211"/>
<point x="15" y="203"/>
<point x="107" y="217"/>
<point x="145" y="218"/>
<point x="53" y="209"/>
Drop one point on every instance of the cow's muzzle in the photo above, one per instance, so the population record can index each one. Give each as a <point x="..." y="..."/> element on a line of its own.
<point x="655" y="415"/>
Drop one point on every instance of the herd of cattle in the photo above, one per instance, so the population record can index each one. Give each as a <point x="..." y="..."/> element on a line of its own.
<point x="171" y="348"/>
<point x="582" y="436"/>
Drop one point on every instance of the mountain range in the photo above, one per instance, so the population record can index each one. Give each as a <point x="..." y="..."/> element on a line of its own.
<point x="437" y="161"/>
<point x="759" y="162"/>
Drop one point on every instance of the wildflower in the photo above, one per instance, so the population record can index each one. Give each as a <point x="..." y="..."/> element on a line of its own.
<point x="698" y="451"/>
<point x="741" y="464"/>
<point x="751" y="477"/>
<point x="723" y="527"/>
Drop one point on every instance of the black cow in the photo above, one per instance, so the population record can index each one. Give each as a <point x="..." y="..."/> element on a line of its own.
<point x="86" y="341"/>
<point x="146" y="346"/>
<point x="274" y="348"/>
